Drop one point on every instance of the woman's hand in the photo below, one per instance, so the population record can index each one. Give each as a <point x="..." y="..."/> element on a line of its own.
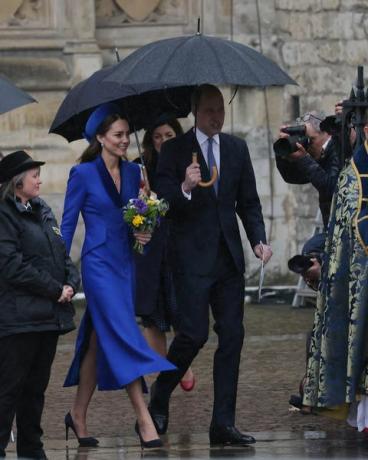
<point x="67" y="294"/>
<point x="142" y="237"/>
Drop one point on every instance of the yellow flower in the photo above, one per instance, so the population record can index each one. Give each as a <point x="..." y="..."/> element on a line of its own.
<point x="138" y="220"/>
<point x="151" y="202"/>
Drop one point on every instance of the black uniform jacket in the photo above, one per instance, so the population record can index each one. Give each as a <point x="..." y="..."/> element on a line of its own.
<point x="34" y="266"/>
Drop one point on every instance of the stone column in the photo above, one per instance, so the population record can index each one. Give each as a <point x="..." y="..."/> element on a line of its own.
<point x="82" y="46"/>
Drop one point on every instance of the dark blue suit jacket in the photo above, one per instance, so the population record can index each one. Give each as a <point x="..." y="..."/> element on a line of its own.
<point x="197" y="224"/>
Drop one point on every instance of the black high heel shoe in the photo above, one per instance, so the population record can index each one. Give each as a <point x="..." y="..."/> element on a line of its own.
<point x="153" y="444"/>
<point x="83" y="442"/>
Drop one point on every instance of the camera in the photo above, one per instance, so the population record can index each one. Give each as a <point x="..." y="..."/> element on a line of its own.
<point x="287" y="145"/>
<point x="300" y="263"/>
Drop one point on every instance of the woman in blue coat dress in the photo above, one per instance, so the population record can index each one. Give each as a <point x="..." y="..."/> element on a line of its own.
<point x="110" y="351"/>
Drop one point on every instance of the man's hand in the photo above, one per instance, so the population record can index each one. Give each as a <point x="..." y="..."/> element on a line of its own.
<point x="142" y="237"/>
<point x="338" y="108"/>
<point x="300" y="153"/>
<point x="263" y="251"/>
<point x="192" y="177"/>
<point x="67" y="294"/>
<point x="313" y="274"/>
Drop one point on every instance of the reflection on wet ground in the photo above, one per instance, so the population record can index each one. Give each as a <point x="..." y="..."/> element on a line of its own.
<point x="273" y="362"/>
<point x="315" y="445"/>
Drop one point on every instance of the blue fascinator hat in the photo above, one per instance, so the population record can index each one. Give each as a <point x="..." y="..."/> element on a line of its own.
<point x="97" y="117"/>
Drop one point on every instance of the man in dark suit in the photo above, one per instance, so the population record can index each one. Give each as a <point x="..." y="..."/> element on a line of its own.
<point x="207" y="255"/>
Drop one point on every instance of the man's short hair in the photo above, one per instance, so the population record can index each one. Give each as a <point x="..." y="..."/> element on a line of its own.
<point x="314" y="118"/>
<point x="198" y="94"/>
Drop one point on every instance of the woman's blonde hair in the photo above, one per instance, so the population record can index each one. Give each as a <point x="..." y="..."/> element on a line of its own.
<point x="9" y="187"/>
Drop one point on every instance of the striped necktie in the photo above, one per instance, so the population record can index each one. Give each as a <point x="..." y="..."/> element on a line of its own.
<point x="211" y="161"/>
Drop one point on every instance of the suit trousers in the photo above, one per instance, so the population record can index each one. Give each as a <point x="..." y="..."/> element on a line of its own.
<point x="223" y="291"/>
<point x="25" y="366"/>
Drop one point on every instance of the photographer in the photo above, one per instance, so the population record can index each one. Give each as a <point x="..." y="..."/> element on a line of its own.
<point x="305" y="154"/>
<point x="308" y="264"/>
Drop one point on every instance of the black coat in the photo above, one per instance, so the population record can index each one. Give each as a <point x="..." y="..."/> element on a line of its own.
<point x="197" y="225"/>
<point x="149" y="265"/>
<point x="34" y="266"/>
<point x="322" y="174"/>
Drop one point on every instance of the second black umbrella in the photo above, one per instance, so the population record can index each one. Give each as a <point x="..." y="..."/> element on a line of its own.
<point x="140" y="103"/>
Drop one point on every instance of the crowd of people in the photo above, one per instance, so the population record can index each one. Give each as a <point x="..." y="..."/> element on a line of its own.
<point x="201" y="264"/>
<point x="335" y="383"/>
<point x="193" y="264"/>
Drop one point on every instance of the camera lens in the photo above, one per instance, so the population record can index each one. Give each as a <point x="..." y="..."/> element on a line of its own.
<point x="285" y="146"/>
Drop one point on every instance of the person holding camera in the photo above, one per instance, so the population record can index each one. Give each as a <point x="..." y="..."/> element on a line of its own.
<point x="337" y="370"/>
<point x="308" y="264"/>
<point x="306" y="154"/>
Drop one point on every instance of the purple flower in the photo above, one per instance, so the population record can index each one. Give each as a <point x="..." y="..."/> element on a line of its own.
<point x="140" y="206"/>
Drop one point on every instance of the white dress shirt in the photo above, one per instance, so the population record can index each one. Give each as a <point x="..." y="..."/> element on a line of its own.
<point x="324" y="147"/>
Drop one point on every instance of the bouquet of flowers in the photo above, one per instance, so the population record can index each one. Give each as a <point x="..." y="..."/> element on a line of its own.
<point x="143" y="214"/>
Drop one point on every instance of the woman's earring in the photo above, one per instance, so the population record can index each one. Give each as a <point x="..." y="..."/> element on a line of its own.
<point x="102" y="144"/>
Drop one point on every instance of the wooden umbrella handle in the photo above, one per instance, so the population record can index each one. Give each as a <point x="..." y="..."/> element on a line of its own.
<point x="146" y="181"/>
<point x="214" y="173"/>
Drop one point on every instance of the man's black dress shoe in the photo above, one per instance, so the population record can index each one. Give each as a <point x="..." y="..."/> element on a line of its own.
<point x="38" y="455"/>
<point x="160" y="420"/>
<point x="296" y="401"/>
<point x="160" y="415"/>
<point x="229" y="436"/>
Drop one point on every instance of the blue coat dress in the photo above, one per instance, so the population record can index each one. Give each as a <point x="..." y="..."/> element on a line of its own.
<point x="108" y="275"/>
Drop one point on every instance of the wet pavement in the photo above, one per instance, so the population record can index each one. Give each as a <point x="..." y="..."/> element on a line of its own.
<point x="272" y="365"/>
<point x="315" y="445"/>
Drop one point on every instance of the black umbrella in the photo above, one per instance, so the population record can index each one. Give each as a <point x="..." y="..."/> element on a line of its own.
<point x="140" y="103"/>
<point x="198" y="59"/>
<point x="12" y="97"/>
<point x="195" y="60"/>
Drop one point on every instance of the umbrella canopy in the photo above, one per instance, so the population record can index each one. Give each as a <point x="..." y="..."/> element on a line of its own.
<point x="198" y="59"/>
<point x="12" y="97"/>
<point x="140" y="103"/>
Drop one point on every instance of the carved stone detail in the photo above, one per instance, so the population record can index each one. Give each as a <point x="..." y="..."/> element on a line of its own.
<point x="29" y="14"/>
<point x="115" y="13"/>
<point x="138" y="10"/>
<point x="8" y="10"/>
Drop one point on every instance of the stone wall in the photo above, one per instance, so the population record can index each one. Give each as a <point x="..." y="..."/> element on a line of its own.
<point x="319" y="43"/>
<point x="47" y="46"/>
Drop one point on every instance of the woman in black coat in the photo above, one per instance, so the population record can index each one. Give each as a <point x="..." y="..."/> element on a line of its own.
<point x="37" y="283"/>
<point x="155" y="297"/>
